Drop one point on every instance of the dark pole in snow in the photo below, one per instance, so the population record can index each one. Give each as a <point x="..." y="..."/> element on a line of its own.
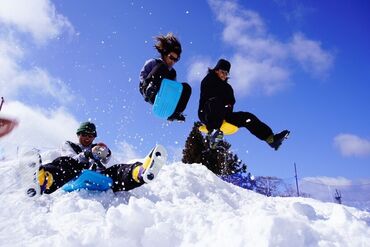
<point x="1" y="104"/>
<point x="296" y="178"/>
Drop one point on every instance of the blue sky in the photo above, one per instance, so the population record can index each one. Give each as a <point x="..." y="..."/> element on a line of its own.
<point x="303" y="66"/>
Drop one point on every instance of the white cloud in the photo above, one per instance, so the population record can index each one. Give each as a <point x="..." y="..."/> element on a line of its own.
<point x="37" y="17"/>
<point x="261" y="61"/>
<point x="126" y="153"/>
<point x="310" y="55"/>
<point x="246" y="31"/>
<point x="352" y="145"/>
<point x="198" y="69"/>
<point x="329" y="181"/>
<point x="37" y="128"/>
<point x="47" y="130"/>
<point x="353" y="193"/>
<point x="14" y="79"/>
<point x="250" y="75"/>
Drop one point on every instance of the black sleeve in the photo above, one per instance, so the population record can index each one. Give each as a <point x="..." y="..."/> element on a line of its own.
<point x="213" y="87"/>
<point x="75" y="147"/>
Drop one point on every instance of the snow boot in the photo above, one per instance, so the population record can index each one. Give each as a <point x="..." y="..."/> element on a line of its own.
<point x="29" y="164"/>
<point x="152" y="164"/>
<point x="214" y="137"/>
<point x="178" y="116"/>
<point x="43" y="180"/>
<point x="276" y="140"/>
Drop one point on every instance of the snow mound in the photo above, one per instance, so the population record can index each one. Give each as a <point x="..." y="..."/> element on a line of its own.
<point x="186" y="205"/>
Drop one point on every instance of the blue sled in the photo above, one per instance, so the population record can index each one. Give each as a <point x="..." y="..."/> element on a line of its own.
<point x="167" y="98"/>
<point x="89" y="180"/>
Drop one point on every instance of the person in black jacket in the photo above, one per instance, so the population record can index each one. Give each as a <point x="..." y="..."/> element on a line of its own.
<point x="76" y="157"/>
<point x="216" y="104"/>
<point x="155" y="70"/>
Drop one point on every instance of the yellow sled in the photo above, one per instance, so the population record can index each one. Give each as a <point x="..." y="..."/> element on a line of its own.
<point x="226" y="128"/>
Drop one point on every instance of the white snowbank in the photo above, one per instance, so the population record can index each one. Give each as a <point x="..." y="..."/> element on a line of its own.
<point x="186" y="205"/>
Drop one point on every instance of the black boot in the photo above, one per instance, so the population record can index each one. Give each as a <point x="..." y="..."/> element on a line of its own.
<point x="278" y="139"/>
<point x="178" y="116"/>
<point x="214" y="137"/>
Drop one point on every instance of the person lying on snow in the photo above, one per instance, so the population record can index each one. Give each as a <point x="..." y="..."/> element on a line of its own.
<point x="86" y="154"/>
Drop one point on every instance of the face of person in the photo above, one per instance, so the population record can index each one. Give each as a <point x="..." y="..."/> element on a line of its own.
<point x="86" y="139"/>
<point x="171" y="58"/>
<point x="222" y="74"/>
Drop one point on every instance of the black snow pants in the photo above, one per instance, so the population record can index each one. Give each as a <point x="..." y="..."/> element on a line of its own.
<point x="64" y="169"/>
<point x="214" y="112"/>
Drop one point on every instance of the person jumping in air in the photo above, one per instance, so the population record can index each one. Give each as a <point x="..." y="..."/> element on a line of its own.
<point x="155" y="70"/>
<point x="216" y="104"/>
<point x="86" y="155"/>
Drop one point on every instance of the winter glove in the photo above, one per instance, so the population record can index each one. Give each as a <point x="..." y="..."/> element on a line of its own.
<point x="150" y="93"/>
<point x="153" y="81"/>
<point x="97" y="166"/>
<point x="88" y="154"/>
<point x="100" y="151"/>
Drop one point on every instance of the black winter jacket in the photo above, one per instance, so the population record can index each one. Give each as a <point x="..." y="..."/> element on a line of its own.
<point x="214" y="89"/>
<point x="154" y="70"/>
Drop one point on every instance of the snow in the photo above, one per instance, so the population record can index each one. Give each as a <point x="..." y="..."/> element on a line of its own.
<point x="187" y="205"/>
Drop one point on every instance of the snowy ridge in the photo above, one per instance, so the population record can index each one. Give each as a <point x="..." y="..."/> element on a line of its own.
<point x="186" y="205"/>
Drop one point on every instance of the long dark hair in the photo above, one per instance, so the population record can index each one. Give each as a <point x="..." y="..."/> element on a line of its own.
<point x="167" y="44"/>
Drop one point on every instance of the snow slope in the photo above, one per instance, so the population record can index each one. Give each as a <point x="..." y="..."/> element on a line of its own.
<point x="186" y="205"/>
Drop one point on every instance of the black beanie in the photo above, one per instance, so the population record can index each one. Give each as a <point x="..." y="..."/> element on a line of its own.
<point x="88" y="128"/>
<point x="223" y="65"/>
